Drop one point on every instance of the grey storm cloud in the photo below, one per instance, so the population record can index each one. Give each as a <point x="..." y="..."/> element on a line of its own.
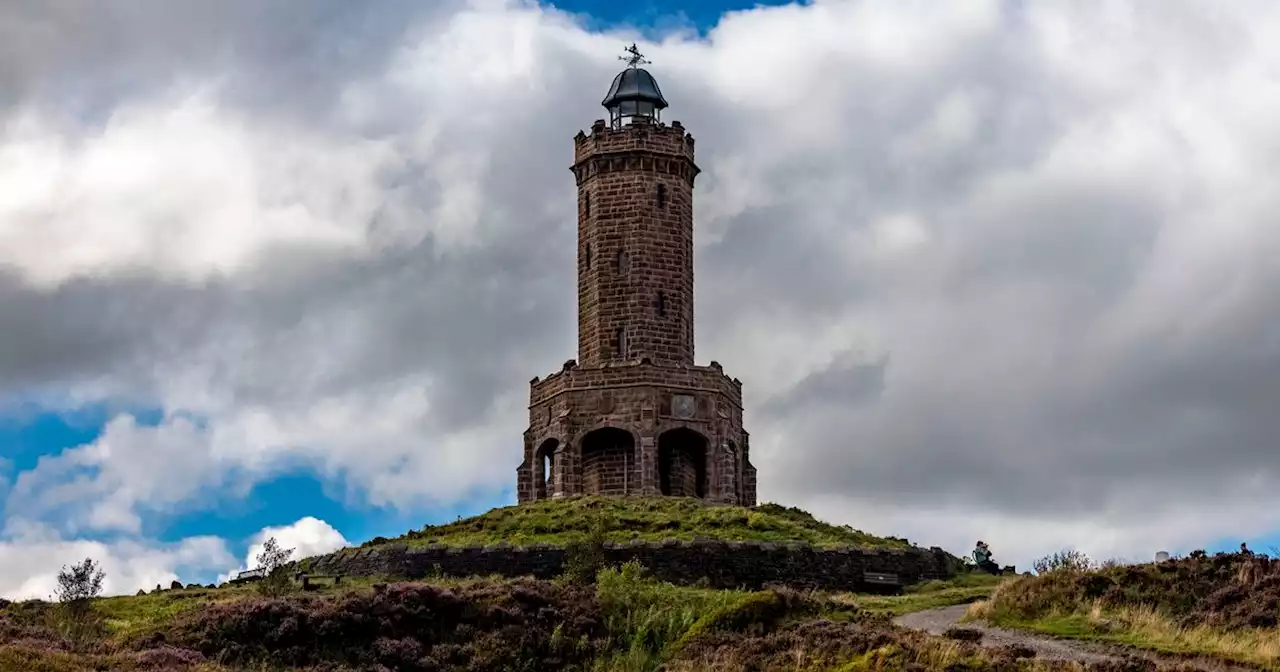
<point x="1004" y="258"/>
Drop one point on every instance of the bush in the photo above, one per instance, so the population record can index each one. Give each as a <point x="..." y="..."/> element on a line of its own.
<point x="1069" y="560"/>
<point x="274" y="562"/>
<point x="584" y="558"/>
<point x="79" y="584"/>
<point x="76" y="590"/>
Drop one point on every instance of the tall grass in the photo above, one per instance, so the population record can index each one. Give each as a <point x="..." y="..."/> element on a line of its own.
<point x="649" y="618"/>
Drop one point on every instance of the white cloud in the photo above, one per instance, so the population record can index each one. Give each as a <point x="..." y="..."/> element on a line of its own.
<point x="307" y="537"/>
<point x="30" y="562"/>
<point x="1009" y="259"/>
<point x="178" y="187"/>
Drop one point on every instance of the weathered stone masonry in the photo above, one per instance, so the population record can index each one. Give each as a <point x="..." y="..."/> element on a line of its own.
<point x="634" y="414"/>
<point x="723" y="564"/>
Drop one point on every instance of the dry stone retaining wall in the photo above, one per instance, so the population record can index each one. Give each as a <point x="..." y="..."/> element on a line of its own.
<point x="722" y="564"/>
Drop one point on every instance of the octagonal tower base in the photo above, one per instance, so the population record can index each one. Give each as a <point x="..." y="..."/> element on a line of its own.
<point x="637" y="428"/>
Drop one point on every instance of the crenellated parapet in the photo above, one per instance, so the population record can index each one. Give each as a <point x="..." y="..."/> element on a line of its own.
<point x="710" y="380"/>
<point x="641" y="147"/>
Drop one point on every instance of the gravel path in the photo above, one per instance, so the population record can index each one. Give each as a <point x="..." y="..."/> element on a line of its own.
<point x="938" y="621"/>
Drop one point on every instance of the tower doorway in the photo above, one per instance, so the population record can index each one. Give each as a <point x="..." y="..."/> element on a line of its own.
<point x="682" y="463"/>
<point x="608" y="462"/>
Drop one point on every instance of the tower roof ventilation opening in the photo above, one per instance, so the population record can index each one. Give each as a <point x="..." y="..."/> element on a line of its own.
<point x="634" y="93"/>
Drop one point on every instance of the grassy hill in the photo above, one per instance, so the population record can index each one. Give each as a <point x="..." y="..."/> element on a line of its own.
<point x="618" y="619"/>
<point x="624" y="621"/>
<point x="560" y="521"/>
<point x="1225" y="607"/>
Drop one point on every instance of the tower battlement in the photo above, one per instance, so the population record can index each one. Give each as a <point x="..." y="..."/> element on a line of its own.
<point x="633" y="414"/>
<point x="640" y="135"/>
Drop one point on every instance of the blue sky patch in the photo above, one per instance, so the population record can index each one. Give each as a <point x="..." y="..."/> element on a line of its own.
<point x="658" y="15"/>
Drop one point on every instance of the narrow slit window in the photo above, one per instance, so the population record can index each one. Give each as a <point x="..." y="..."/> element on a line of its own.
<point x="624" y="262"/>
<point x="620" y="343"/>
<point x="662" y="196"/>
<point x="588" y="256"/>
<point x="586" y="204"/>
<point x="662" y="304"/>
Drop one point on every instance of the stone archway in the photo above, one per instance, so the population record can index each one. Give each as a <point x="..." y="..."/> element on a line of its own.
<point x="544" y="469"/>
<point x="608" y="462"/>
<point x="682" y="463"/>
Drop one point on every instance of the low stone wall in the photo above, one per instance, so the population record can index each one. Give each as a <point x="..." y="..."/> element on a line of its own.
<point x="722" y="564"/>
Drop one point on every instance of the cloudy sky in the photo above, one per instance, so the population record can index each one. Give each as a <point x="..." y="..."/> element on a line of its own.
<point x="993" y="268"/>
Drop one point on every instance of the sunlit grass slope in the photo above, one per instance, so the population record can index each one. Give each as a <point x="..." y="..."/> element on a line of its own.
<point x="560" y="521"/>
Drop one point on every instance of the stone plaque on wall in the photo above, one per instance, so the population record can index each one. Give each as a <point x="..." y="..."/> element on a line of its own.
<point x="683" y="406"/>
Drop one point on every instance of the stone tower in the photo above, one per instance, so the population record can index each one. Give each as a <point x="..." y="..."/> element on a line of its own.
<point x="633" y="415"/>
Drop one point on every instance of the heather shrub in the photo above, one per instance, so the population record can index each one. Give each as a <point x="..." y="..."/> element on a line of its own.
<point x="517" y="625"/>
<point x="168" y="658"/>
<point x="813" y="645"/>
<point x="1227" y="590"/>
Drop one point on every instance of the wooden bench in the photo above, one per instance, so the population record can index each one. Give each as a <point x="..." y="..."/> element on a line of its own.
<point x="887" y="582"/>
<point x="249" y="575"/>
<point x="306" y="579"/>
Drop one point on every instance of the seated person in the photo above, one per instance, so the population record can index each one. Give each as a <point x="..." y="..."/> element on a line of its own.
<point x="982" y="556"/>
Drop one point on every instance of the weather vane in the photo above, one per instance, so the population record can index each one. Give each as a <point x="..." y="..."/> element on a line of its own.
<point x="635" y="58"/>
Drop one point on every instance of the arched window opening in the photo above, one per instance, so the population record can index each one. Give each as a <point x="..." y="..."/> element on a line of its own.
<point x="662" y="196"/>
<point x="544" y="469"/>
<point x="624" y="262"/>
<point x="662" y="304"/>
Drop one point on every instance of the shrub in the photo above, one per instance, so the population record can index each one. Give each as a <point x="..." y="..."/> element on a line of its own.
<point x="1069" y="560"/>
<point x="273" y="561"/>
<point x="77" y="587"/>
<point x="79" y="584"/>
<point x="584" y="558"/>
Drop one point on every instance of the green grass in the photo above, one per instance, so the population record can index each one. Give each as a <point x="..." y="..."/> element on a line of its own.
<point x="963" y="589"/>
<point x="560" y="521"/>
<point x="127" y="616"/>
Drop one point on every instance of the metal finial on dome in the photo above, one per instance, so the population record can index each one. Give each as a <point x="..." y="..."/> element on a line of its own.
<point x="636" y="58"/>
<point x="634" y="93"/>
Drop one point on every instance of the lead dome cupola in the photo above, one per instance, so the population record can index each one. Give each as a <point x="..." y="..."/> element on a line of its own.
<point x="634" y="93"/>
